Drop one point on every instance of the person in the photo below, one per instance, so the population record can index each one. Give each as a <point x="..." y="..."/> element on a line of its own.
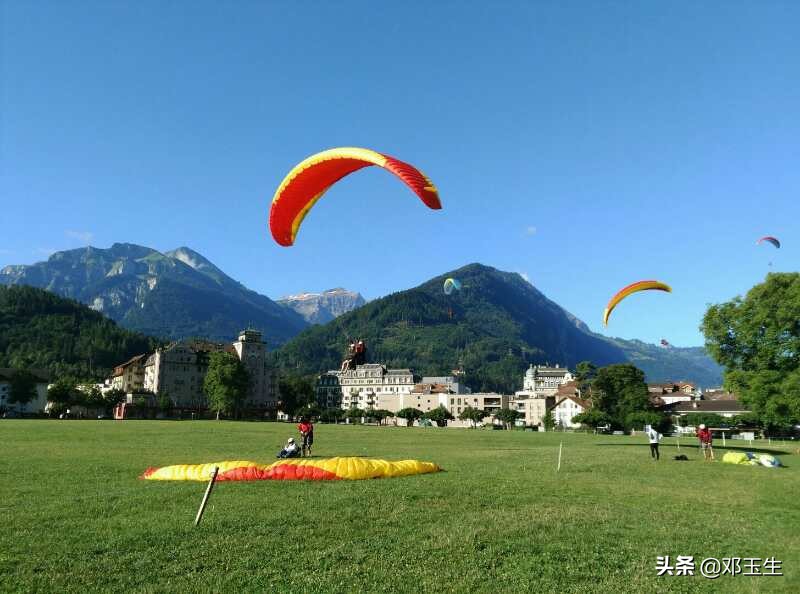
<point x="704" y="436"/>
<point x="306" y="428"/>
<point x="654" y="437"/>
<point x="290" y="450"/>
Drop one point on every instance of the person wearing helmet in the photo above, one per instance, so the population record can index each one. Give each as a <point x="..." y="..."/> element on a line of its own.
<point x="704" y="436"/>
<point x="290" y="450"/>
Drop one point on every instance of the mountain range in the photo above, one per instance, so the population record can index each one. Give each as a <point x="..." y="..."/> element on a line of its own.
<point x="321" y="308"/>
<point x="175" y="294"/>
<point x="491" y="328"/>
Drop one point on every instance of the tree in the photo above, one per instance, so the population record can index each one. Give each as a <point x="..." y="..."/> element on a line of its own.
<point x="381" y="414"/>
<point x="638" y="420"/>
<point x="309" y="410"/>
<point x="226" y="383"/>
<point x="475" y="415"/>
<point x="593" y="418"/>
<point x="707" y="419"/>
<point x="164" y="402"/>
<point x="757" y="340"/>
<point x="507" y="416"/>
<point x="114" y="397"/>
<point x="63" y="392"/>
<point x="296" y="391"/>
<point x="91" y="396"/>
<point x="619" y="390"/>
<point x="409" y="414"/>
<point x="355" y="414"/>
<point x="331" y="415"/>
<point x="440" y="415"/>
<point x="22" y="387"/>
<point x="549" y="421"/>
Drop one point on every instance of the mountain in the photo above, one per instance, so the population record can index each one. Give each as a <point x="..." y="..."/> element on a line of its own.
<point x="491" y="329"/>
<point x="672" y="364"/>
<point x="175" y="294"/>
<point x="320" y="308"/>
<point x="41" y="330"/>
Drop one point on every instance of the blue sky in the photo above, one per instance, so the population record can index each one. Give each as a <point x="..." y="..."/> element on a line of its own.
<point x="585" y="145"/>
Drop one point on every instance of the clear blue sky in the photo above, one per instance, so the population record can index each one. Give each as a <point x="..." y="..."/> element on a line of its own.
<point x="586" y="145"/>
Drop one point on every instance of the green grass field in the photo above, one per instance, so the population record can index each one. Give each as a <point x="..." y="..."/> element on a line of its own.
<point x="75" y="518"/>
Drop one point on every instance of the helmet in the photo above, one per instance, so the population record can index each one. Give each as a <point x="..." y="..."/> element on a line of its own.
<point x="702" y="426"/>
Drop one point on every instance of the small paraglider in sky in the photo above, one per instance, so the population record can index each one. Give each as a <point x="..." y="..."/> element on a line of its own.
<point x="450" y="285"/>
<point x="665" y="343"/>
<point x="309" y="180"/>
<point x="769" y="239"/>
<point x="648" y="285"/>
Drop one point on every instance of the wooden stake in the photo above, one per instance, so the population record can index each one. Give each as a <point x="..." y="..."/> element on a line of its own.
<point x="206" y="496"/>
<point x="560" y="445"/>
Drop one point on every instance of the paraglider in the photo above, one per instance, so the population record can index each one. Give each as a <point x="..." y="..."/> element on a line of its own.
<point x="309" y="180"/>
<point x="665" y="343"/>
<point x="769" y="239"/>
<point x="450" y="285"/>
<point x="647" y="285"/>
<point x="303" y="469"/>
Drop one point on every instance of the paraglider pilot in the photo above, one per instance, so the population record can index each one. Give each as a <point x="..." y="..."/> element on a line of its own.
<point x="306" y="428"/>
<point x="290" y="450"/>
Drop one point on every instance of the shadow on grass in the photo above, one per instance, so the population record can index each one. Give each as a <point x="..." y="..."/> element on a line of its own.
<point x="696" y="448"/>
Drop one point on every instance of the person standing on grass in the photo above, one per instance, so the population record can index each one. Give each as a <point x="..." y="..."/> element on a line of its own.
<point x="306" y="428"/>
<point x="654" y="437"/>
<point x="704" y="435"/>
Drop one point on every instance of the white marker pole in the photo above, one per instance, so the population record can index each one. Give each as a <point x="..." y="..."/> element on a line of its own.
<point x="679" y="443"/>
<point x="560" y="446"/>
<point x="723" y="439"/>
<point x="206" y="496"/>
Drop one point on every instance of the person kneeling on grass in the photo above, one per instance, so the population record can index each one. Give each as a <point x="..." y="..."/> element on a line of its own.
<point x="654" y="437"/>
<point x="290" y="450"/>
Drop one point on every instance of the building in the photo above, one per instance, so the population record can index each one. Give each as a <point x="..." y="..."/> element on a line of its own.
<point x="368" y="386"/>
<point x="723" y="408"/>
<point x="489" y="402"/>
<point x="129" y="376"/>
<point x="541" y="381"/>
<point x="178" y="371"/>
<point x="35" y="405"/>
<point x="451" y="381"/>
<point x="719" y="395"/>
<point x="566" y="409"/>
<point x="540" y="386"/>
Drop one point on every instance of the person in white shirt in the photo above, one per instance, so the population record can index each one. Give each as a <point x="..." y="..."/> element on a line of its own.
<point x="290" y="450"/>
<point x="654" y="437"/>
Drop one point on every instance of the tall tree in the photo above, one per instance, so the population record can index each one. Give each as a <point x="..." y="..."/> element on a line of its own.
<point x="618" y="391"/>
<point x="440" y="415"/>
<point x="507" y="416"/>
<point x="22" y="387"/>
<point x="757" y="339"/>
<point x="226" y="383"/>
<point x="475" y="415"/>
<point x="410" y="414"/>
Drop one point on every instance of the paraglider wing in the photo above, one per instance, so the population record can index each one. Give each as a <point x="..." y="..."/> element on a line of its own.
<point x="310" y="179"/>
<point x="451" y="285"/>
<point x="773" y="240"/>
<point x="324" y="469"/>
<point x="647" y="285"/>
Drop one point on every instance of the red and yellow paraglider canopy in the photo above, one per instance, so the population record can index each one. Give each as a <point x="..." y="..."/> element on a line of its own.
<point x="310" y="179"/>
<point x="647" y="285"/>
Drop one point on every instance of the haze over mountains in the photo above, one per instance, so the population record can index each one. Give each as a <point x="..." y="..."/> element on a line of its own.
<point x="492" y="328"/>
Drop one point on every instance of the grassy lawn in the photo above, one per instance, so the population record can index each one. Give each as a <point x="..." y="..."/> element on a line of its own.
<point x="75" y="517"/>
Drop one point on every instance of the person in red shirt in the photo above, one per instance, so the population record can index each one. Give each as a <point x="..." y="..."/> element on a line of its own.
<point x="704" y="435"/>
<point x="306" y="428"/>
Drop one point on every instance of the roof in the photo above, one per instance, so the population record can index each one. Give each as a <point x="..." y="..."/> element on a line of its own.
<point x="132" y="360"/>
<point x="568" y="389"/>
<point x="6" y="373"/>
<point x="430" y="389"/>
<point x="698" y="406"/>
<point x="719" y="395"/>
<point x="579" y="401"/>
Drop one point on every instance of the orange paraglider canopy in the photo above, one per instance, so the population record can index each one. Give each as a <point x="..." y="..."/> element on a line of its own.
<point x="647" y="285"/>
<point x="310" y="179"/>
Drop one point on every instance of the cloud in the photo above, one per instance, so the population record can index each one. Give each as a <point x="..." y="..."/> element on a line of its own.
<point x="530" y="230"/>
<point x="82" y="236"/>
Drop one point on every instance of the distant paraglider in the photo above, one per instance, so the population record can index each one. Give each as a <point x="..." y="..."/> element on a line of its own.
<point x="309" y="180"/>
<point x="450" y="285"/>
<point x="648" y="285"/>
<point x="665" y="343"/>
<point x="769" y="239"/>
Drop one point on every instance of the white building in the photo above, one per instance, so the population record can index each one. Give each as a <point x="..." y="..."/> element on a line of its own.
<point x="452" y="382"/>
<point x="37" y="404"/>
<point x="368" y="386"/>
<point x="566" y="409"/>
<point x="540" y="385"/>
